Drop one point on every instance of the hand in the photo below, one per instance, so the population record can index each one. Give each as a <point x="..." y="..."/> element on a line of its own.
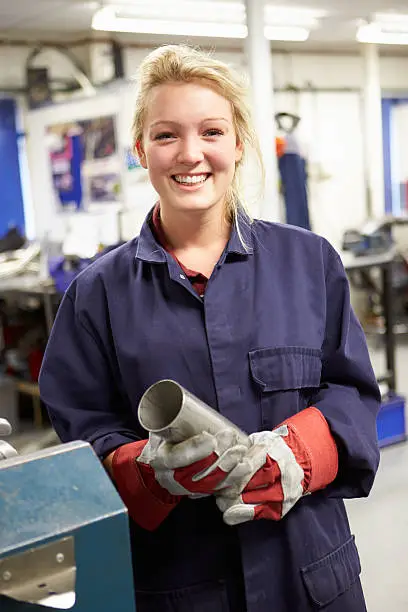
<point x="6" y="450"/>
<point x="152" y="475"/>
<point x="280" y="467"/>
<point x="197" y="466"/>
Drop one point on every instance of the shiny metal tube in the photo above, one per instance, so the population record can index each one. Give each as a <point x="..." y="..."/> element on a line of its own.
<point x="175" y="414"/>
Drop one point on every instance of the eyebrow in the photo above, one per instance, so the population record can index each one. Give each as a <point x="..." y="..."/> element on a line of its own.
<point x="164" y="121"/>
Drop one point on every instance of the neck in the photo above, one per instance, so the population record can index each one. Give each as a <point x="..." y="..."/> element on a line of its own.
<point x="200" y="230"/>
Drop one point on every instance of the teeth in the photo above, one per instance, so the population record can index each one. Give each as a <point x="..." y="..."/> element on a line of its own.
<point x="190" y="180"/>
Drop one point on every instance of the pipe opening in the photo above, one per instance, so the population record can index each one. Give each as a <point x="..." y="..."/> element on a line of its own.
<point x="160" y="405"/>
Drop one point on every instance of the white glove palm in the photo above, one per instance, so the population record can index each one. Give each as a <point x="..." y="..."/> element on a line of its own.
<point x="196" y="466"/>
<point x="6" y="450"/>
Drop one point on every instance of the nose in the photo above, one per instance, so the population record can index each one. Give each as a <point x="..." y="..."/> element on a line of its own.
<point x="190" y="152"/>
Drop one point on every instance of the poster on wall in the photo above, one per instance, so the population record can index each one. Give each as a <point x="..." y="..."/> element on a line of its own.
<point x="85" y="162"/>
<point x="135" y="172"/>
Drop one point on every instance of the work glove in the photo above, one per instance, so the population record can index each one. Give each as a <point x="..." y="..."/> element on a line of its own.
<point x="6" y="450"/>
<point x="297" y="458"/>
<point x="153" y="475"/>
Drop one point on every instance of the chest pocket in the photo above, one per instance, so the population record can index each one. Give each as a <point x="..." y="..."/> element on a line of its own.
<point x="285" y="378"/>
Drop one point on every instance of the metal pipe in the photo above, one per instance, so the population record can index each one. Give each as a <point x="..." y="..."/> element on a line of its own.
<point x="175" y="414"/>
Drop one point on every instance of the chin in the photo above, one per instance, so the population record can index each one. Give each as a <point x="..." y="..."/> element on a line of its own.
<point x="196" y="206"/>
<point x="194" y="203"/>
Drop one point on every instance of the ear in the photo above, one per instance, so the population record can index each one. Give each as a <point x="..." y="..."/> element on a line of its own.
<point x="239" y="151"/>
<point x="141" y="153"/>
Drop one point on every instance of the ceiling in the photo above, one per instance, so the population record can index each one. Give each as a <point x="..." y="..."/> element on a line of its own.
<point x="45" y="19"/>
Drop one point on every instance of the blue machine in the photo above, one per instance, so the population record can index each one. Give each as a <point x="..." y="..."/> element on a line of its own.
<point x="64" y="534"/>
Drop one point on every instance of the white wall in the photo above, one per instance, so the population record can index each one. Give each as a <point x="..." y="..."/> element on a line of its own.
<point x="321" y="70"/>
<point x="300" y="69"/>
<point x="337" y="71"/>
<point x="332" y="140"/>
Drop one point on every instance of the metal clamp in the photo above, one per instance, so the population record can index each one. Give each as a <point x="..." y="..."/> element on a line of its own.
<point x="40" y="575"/>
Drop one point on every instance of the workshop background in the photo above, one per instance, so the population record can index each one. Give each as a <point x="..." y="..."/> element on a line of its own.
<point x="329" y="82"/>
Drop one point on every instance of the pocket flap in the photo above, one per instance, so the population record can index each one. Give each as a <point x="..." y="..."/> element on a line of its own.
<point x="332" y="575"/>
<point x="280" y="368"/>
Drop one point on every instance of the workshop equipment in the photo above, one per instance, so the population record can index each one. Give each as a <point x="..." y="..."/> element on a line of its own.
<point x="391" y="422"/>
<point x="373" y="238"/>
<point x="175" y="414"/>
<point x="64" y="540"/>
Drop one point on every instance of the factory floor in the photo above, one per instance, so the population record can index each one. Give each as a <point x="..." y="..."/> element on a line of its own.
<point x="380" y="523"/>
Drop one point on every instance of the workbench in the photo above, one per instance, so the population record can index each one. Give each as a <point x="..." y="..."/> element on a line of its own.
<point x="32" y="285"/>
<point x="391" y="421"/>
<point x="383" y="262"/>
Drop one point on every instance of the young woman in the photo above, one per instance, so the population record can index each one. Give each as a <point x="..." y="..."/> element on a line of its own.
<point x="254" y="318"/>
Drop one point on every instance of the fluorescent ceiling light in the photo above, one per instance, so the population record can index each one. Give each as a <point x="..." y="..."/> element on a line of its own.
<point x="211" y="11"/>
<point x="107" y="19"/>
<point x="375" y="33"/>
<point x="201" y="10"/>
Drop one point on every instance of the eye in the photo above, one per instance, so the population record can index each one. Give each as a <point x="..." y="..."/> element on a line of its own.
<point x="164" y="136"/>
<point x="213" y="132"/>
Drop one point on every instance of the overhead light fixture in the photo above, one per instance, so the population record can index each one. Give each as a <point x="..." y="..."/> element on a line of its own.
<point x="204" y="18"/>
<point x="107" y="20"/>
<point x="385" y="29"/>
<point x="190" y="10"/>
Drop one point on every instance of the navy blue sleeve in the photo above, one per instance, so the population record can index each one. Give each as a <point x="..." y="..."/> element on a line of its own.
<point x="79" y="385"/>
<point x="349" y="396"/>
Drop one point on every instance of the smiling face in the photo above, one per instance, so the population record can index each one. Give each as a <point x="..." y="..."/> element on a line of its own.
<point x="189" y="146"/>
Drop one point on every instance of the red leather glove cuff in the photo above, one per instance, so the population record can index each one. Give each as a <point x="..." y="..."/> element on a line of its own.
<point x="319" y="448"/>
<point x="147" y="502"/>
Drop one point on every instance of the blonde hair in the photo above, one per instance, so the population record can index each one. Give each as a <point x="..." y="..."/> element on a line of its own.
<point x="181" y="63"/>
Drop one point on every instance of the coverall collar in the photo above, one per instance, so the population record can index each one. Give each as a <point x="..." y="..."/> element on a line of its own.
<point x="149" y="250"/>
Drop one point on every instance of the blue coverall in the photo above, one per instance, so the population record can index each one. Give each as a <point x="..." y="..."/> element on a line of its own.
<point x="274" y="333"/>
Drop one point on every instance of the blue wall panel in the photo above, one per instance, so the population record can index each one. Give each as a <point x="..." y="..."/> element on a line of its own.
<point x="11" y="197"/>
<point x="388" y="104"/>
